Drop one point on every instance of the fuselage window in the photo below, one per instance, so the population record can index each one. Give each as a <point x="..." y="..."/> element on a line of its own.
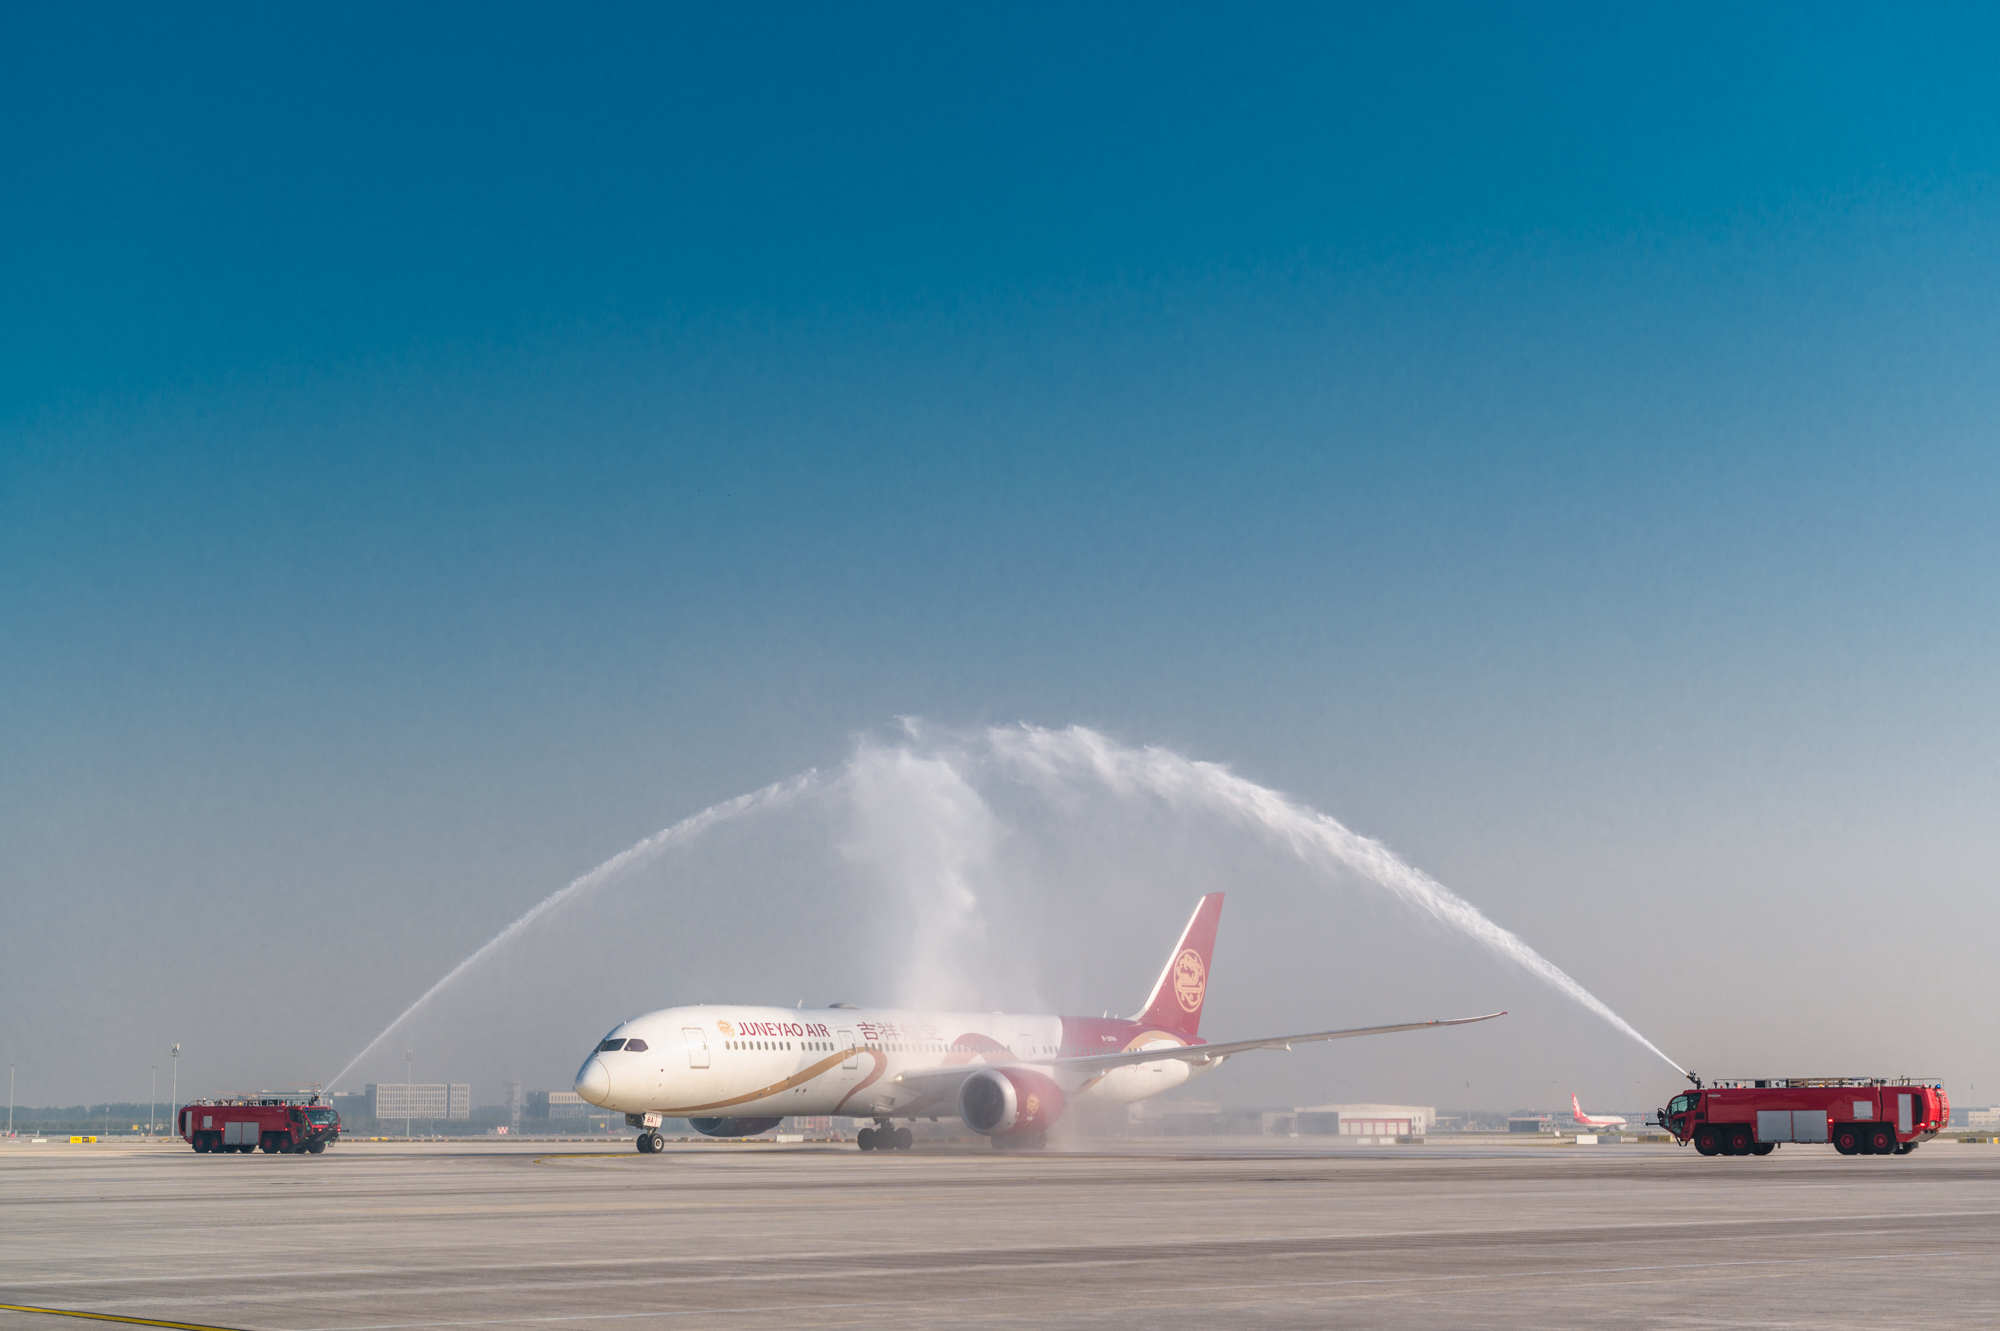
<point x="610" y="1045"/>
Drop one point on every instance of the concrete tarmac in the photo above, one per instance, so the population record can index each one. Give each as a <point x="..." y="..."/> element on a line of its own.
<point x="395" y="1237"/>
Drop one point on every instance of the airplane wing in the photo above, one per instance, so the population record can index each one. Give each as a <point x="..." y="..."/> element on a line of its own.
<point x="942" y="1080"/>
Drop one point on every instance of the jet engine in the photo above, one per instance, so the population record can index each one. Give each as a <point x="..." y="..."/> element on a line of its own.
<point x="1009" y="1102"/>
<point x="733" y="1127"/>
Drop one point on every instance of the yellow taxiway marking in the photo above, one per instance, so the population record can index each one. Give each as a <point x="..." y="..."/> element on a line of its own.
<point x="111" y="1317"/>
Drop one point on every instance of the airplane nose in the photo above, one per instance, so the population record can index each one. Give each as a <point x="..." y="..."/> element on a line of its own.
<point x="593" y="1080"/>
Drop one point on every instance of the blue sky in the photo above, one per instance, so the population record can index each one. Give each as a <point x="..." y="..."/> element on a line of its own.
<point x="438" y="449"/>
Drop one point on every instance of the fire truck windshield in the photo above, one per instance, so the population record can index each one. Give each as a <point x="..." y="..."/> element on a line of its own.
<point x="320" y="1117"/>
<point x="1680" y="1104"/>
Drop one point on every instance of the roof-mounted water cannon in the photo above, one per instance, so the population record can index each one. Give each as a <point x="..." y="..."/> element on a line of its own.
<point x="1695" y="1077"/>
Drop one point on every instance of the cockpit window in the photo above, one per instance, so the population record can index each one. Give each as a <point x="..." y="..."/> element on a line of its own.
<point x="610" y="1045"/>
<point x="635" y="1046"/>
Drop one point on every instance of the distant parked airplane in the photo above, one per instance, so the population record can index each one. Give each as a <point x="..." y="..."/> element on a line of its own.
<point x="736" y="1071"/>
<point x="1593" y="1120"/>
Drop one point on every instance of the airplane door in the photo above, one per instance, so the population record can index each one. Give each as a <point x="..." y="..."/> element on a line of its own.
<point x="1024" y="1046"/>
<point x="697" y="1043"/>
<point x="853" y="1056"/>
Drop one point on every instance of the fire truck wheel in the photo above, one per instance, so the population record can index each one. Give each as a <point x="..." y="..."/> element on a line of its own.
<point x="1763" y="1148"/>
<point x="1904" y="1148"/>
<point x="1740" y="1141"/>
<point x="1881" y="1141"/>
<point x="1707" y="1142"/>
<point x="317" y="1147"/>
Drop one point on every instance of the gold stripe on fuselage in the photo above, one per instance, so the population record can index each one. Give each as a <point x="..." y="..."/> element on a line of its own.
<point x="825" y="1064"/>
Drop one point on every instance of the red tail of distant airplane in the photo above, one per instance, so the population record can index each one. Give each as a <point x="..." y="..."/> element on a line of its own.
<point x="1593" y="1121"/>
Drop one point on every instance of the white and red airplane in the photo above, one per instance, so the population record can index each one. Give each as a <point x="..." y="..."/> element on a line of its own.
<point x="736" y="1071"/>
<point x="1593" y="1120"/>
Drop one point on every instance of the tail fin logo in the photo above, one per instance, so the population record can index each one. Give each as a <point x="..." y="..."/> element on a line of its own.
<point x="1190" y="980"/>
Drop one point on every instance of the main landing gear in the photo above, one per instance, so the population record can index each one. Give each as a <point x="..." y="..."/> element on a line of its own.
<point x="884" y="1136"/>
<point x="649" y="1142"/>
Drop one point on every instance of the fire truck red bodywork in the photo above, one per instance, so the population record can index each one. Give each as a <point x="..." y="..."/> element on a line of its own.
<point x="1857" y="1115"/>
<point x="294" y="1124"/>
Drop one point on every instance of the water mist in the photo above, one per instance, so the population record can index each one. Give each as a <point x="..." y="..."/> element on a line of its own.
<point x="938" y="861"/>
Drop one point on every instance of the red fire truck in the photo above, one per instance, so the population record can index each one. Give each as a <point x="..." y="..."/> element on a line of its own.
<point x="295" y="1124"/>
<point x="1859" y="1115"/>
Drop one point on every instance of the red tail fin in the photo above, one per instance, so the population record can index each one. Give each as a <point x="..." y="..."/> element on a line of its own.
<point x="1183" y="988"/>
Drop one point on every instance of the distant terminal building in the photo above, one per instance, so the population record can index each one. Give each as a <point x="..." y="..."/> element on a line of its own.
<point x="1542" y="1123"/>
<point x="425" y="1100"/>
<point x="559" y="1104"/>
<point x="1365" y="1120"/>
<point x="1985" y="1119"/>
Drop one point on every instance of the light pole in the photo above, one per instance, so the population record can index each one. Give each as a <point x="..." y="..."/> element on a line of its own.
<point x="10" y="1099"/>
<point x="177" y="1086"/>
<point x="152" y="1098"/>
<point x="406" y="1094"/>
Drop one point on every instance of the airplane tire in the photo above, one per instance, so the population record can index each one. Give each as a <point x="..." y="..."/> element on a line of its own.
<point x="905" y="1139"/>
<point x="865" y="1139"/>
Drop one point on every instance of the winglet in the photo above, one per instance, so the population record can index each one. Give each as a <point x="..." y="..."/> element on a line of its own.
<point x="1182" y="989"/>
